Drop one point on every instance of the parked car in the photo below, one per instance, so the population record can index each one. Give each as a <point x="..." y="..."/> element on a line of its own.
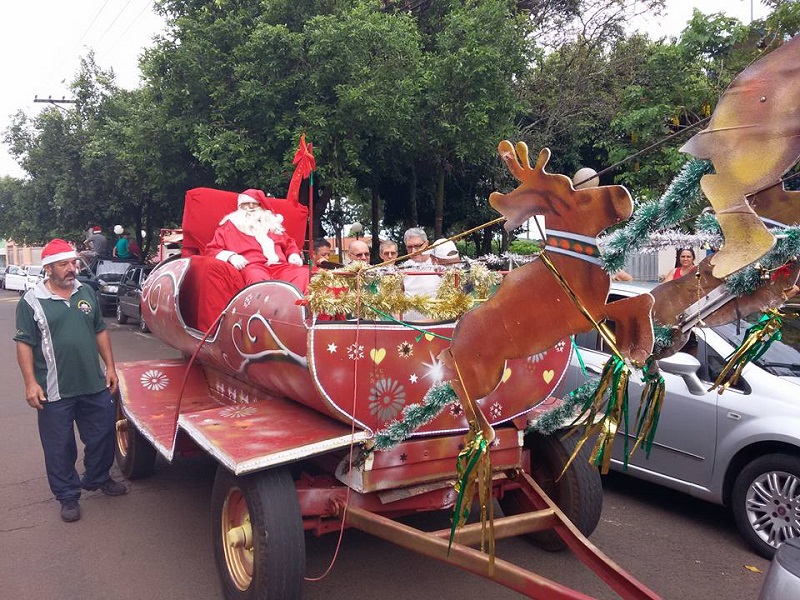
<point x="104" y="275"/>
<point x="15" y="278"/>
<point x="783" y="578"/>
<point x="35" y="274"/>
<point x="129" y="295"/>
<point x="739" y="448"/>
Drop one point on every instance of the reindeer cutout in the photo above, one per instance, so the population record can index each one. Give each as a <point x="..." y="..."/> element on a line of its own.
<point x="681" y="303"/>
<point x="530" y="311"/>
<point x="753" y="138"/>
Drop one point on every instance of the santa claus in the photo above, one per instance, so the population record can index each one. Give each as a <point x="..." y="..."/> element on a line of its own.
<point x="253" y="240"/>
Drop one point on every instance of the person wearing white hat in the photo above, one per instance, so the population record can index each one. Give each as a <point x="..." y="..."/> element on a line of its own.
<point x="253" y="240"/>
<point x="122" y="247"/>
<point x="444" y="252"/>
<point x="59" y="333"/>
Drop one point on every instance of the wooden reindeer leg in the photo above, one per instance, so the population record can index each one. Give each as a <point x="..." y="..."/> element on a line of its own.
<point x="746" y="237"/>
<point x="470" y="405"/>
<point x="634" y="333"/>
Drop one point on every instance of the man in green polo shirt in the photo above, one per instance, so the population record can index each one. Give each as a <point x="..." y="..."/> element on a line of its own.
<point x="60" y="332"/>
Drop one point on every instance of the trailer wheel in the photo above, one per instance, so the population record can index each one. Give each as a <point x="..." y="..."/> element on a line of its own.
<point x="259" y="544"/>
<point x="579" y="493"/>
<point x="135" y="456"/>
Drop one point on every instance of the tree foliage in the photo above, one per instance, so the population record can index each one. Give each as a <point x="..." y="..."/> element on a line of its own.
<point x="405" y="102"/>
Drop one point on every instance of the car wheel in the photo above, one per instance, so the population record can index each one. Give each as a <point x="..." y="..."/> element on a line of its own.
<point x="766" y="502"/>
<point x="258" y="537"/>
<point x="121" y="318"/>
<point x="143" y="326"/>
<point x="578" y="493"/>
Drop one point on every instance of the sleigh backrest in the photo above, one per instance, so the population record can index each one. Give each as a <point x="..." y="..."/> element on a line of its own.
<point x="204" y="208"/>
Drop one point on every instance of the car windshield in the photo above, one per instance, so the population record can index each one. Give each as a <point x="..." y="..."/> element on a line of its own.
<point x="34" y="271"/>
<point x="110" y="267"/>
<point x="782" y="357"/>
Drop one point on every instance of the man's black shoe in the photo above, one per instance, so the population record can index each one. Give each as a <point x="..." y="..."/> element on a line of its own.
<point x="70" y="511"/>
<point x="110" y="488"/>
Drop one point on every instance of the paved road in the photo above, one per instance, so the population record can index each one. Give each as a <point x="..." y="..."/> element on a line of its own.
<point x="155" y="543"/>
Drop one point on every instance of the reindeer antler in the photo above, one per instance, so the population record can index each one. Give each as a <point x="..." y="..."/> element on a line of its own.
<point x="531" y="179"/>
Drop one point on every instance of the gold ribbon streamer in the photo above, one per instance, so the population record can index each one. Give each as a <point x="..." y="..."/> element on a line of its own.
<point x="613" y="380"/>
<point x="756" y="341"/>
<point x="474" y="467"/>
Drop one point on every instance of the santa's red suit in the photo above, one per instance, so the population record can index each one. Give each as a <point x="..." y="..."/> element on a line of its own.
<point x="259" y="238"/>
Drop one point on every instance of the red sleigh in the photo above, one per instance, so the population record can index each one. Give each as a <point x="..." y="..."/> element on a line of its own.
<point x="269" y="385"/>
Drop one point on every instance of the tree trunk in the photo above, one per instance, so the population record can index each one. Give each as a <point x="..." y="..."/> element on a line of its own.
<point x="412" y="199"/>
<point x="438" y="218"/>
<point x="321" y="200"/>
<point x="375" y="222"/>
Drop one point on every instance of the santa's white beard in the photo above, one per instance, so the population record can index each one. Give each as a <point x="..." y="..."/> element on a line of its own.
<point x="259" y="223"/>
<point x="255" y="222"/>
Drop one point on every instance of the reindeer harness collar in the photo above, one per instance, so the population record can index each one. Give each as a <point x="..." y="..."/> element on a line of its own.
<point x="575" y="245"/>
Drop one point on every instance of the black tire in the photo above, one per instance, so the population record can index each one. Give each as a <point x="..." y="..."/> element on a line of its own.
<point x="579" y="493"/>
<point x="143" y="326"/>
<point x="135" y="456"/>
<point x="273" y="565"/>
<point x="121" y="317"/>
<point x="765" y="502"/>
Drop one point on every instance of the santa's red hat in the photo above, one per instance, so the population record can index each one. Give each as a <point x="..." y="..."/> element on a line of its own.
<point x="56" y="251"/>
<point x="96" y="229"/>
<point x="252" y="196"/>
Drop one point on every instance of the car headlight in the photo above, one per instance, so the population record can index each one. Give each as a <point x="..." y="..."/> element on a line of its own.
<point x="109" y="289"/>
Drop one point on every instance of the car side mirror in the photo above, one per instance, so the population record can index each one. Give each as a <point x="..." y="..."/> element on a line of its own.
<point x="686" y="367"/>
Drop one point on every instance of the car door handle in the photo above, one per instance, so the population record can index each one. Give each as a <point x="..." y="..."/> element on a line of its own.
<point x="594" y="369"/>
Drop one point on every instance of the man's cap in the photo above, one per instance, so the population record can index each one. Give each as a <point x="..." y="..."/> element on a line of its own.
<point x="96" y="229"/>
<point x="444" y="249"/>
<point x="118" y="229"/>
<point x="57" y="250"/>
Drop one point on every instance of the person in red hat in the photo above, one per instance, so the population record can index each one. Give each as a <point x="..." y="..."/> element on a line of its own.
<point x="97" y="242"/>
<point x="253" y="240"/>
<point x="59" y="334"/>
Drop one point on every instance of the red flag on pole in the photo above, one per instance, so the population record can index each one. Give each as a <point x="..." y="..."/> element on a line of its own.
<point x="304" y="167"/>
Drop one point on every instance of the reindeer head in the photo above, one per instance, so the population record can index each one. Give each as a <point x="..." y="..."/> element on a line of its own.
<point x="586" y="211"/>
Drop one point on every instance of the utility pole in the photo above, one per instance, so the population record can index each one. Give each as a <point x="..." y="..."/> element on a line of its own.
<point x="54" y="101"/>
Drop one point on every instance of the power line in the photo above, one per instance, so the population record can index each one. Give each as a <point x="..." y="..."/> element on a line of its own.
<point x="119" y="14"/>
<point x="67" y="56"/>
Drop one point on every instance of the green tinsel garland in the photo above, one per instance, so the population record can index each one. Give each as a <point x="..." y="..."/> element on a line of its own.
<point x="747" y="280"/>
<point x="663" y="338"/>
<point x="682" y="194"/>
<point x="564" y="414"/>
<point x="415" y="416"/>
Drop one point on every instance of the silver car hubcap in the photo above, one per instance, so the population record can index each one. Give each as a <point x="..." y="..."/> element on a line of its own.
<point x="773" y="507"/>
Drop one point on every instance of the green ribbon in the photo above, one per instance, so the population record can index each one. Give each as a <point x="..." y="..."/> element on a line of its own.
<point x="422" y="332"/>
<point x="650" y="408"/>
<point x="468" y="459"/>
<point x="580" y="357"/>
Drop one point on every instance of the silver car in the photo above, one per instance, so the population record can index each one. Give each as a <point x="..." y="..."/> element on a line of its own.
<point x="739" y="448"/>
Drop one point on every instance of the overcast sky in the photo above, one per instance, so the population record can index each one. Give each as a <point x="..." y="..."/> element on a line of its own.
<point x="41" y="42"/>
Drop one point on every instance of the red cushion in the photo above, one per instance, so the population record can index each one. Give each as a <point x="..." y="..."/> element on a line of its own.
<point x="207" y="288"/>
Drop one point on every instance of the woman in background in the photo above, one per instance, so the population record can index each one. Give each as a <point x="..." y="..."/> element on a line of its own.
<point x="684" y="264"/>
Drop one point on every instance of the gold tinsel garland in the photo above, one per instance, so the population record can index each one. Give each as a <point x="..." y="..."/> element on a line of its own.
<point x="360" y="291"/>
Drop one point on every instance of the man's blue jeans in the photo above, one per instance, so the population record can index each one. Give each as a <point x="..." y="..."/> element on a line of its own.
<point x="95" y="415"/>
